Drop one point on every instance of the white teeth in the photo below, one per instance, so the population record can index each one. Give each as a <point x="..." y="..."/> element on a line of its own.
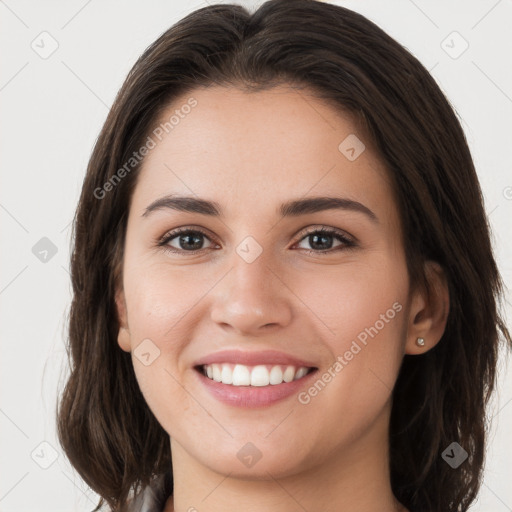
<point x="289" y="373"/>
<point x="226" y="375"/>
<point x="300" y="373"/>
<point x="216" y="373"/>
<point x="240" y="376"/>
<point x="276" y="375"/>
<point x="259" y="375"/>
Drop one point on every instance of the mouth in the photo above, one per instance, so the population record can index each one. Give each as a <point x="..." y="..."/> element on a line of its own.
<point x="258" y="386"/>
<point x="253" y="375"/>
<point x="248" y="379"/>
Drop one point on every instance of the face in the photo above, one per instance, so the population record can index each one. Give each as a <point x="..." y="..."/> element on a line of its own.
<point x="268" y="288"/>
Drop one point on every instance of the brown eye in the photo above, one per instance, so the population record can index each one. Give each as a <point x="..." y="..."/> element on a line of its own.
<point x="321" y="240"/>
<point x="184" y="240"/>
<point x="191" y="241"/>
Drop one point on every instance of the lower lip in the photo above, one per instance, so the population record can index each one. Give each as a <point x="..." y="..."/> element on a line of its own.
<point x="254" y="396"/>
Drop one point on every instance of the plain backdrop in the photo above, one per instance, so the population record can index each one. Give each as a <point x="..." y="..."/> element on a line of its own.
<point x="52" y="109"/>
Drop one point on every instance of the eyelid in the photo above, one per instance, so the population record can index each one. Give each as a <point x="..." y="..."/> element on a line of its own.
<point x="321" y="228"/>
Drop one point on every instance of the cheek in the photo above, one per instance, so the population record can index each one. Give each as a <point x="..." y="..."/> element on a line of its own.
<point x="159" y="300"/>
<point x="357" y="301"/>
<point x="362" y="312"/>
<point x="162" y="309"/>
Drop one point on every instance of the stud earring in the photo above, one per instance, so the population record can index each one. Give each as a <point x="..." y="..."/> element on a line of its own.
<point x="420" y="342"/>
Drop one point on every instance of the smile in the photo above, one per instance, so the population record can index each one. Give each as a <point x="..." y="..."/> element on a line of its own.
<point x="258" y="375"/>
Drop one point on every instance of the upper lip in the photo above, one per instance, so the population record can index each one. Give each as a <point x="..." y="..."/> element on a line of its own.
<point x="252" y="358"/>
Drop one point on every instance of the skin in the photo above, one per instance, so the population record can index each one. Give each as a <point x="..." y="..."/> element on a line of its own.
<point x="250" y="152"/>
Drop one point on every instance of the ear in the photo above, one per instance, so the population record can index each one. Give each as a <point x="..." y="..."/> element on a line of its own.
<point x="123" y="337"/>
<point x="429" y="311"/>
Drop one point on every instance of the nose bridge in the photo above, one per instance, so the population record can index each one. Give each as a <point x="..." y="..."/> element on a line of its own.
<point x="251" y="295"/>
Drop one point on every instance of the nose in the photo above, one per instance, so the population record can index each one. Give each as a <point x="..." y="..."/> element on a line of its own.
<point x="252" y="298"/>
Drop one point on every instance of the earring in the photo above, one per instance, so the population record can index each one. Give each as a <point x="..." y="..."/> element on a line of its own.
<point x="420" y="342"/>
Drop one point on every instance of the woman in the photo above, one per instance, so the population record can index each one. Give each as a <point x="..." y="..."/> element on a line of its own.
<point x="283" y="298"/>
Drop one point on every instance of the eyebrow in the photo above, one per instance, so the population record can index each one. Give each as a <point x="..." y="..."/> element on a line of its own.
<point x="293" y="208"/>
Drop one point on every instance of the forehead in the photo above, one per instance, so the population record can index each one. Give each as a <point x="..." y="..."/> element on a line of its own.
<point x="246" y="149"/>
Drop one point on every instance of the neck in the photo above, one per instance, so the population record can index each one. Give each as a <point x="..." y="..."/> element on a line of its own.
<point x="354" y="478"/>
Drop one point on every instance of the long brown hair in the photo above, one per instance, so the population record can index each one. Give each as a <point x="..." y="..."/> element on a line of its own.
<point x="104" y="424"/>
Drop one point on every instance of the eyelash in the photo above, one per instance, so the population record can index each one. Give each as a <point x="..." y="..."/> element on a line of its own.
<point x="347" y="242"/>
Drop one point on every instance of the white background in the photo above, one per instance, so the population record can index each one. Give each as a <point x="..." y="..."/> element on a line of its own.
<point x="51" y="113"/>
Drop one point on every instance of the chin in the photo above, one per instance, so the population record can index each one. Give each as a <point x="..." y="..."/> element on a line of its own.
<point x="260" y="460"/>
